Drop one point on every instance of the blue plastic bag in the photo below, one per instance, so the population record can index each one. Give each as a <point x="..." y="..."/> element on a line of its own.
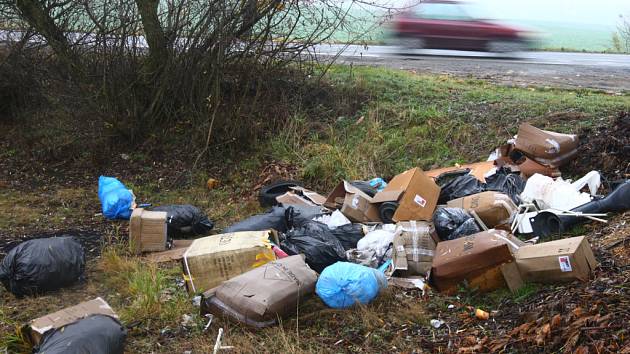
<point x="378" y="183"/>
<point x="343" y="284"/>
<point x="115" y="198"/>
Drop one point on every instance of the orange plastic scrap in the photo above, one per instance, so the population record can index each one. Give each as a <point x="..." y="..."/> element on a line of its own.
<point x="545" y="147"/>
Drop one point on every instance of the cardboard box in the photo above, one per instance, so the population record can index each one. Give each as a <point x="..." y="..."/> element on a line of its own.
<point x="147" y="231"/>
<point x="36" y="328"/>
<point x="555" y="261"/>
<point x="416" y="193"/>
<point x="209" y="261"/>
<point x="301" y="196"/>
<point x="484" y="260"/>
<point x="414" y="247"/>
<point x="548" y="148"/>
<point x="262" y="295"/>
<point x="353" y="203"/>
<point x="477" y="169"/>
<point x="174" y="254"/>
<point x="493" y="208"/>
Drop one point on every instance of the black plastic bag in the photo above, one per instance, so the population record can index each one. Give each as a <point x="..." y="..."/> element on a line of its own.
<point x="185" y="220"/>
<point x="96" y="334"/>
<point x="316" y="241"/>
<point x="349" y="235"/>
<point x="460" y="187"/>
<point x="278" y="218"/>
<point x="453" y="223"/>
<point x="365" y="187"/>
<point x="41" y="265"/>
<point x="506" y="182"/>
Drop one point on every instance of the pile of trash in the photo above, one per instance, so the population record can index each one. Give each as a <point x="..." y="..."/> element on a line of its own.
<point x="486" y="225"/>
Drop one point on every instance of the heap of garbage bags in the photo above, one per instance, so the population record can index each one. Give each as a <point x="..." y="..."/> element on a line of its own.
<point x="487" y="225"/>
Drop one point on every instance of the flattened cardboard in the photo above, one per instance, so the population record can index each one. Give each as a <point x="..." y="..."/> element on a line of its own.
<point x="301" y="196"/>
<point x="147" y="231"/>
<point x="416" y="193"/>
<point x="548" y="148"/>
<point x="36" y="328"/>
<point x="556" y="261"/>
<point x="477" y="169"/>
<point x="414" y="248"/>
<point x="265" y="293"/>
<point x="353" y="203"/>
<point x="476" y="259"/>
<point x="493" y="208"/>
<point x="174" y="254"/>
<point x="209" y="261"/>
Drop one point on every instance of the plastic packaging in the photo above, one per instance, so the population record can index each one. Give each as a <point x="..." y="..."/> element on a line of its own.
<point x="550" y="193"/>
<point x="116" y="200"/>
<point x="506" y="182"/>
<point x="460" y="187"/>
<point x="453" y="223"/>
<point x="319" y="246"/>
<point x="333" y="220"/>
<point x="378" y="241"/>
<point x="363" y="257"/>
<point x="96" y="334"/>
<point x="344" y="284"/>
<point x="378" y="183"/>
<point x="41" y="265"/>
<point x="185" y="220"/>
<point x="349" y="235"/>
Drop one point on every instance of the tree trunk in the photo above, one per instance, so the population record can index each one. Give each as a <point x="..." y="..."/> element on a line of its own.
<point x="158" y="53"/>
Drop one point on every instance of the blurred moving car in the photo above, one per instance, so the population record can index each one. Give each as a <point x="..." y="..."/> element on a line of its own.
<point x="444" y="24"/>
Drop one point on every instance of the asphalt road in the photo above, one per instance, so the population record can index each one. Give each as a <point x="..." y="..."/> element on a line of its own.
<point x="609" y="72"/>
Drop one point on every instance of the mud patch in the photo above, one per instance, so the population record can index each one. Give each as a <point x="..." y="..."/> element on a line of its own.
<point x="606" y="149"/>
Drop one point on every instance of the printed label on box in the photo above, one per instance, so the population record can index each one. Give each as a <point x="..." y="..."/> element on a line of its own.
<point x="565" y="264"/>
<point x="420" y="201"/>
<point x="355" y="202"/>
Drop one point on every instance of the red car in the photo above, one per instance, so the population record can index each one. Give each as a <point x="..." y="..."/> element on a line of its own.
<point x="444" y="24"/>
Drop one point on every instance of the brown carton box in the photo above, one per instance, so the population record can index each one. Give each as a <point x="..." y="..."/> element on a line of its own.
<point x="484" y="260"/>
<point x="36" y="328"/>
<point x="147" y="231"/>
<point x="493" y="208"/>
<point x="548" y="148"/>
<point x="209" y="261"/>
<point x="416" y="193"/>
<point x="353" y="203"/>
<point x="561" y="260"/>
<point x="477" y="169"/>
<point x="301" y="196"/>
<point x="262" y="295"/>
<point x="414" y="247"/>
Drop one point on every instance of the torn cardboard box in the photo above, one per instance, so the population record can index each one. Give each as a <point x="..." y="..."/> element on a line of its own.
<point x="561" y="260"/>
<point x="353" y="203"/>
<point x="416" y="193"/>
<point x="414" y="247"/>
<point x="301" y="196"/>
<point x="209" y="261"/>
<point x="483" y="260"/>
<point x="477" y="169"/>
<point x="548" y="148"/>
<point x="493" y="208"/>
<point x="262" y="295"/>
<point x="35" y="329"/>
<point x="174" y="254"/>
<point x="147" y="231"/>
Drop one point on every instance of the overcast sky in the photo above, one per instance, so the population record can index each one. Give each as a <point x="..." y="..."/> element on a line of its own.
<point x="600" y="12"/>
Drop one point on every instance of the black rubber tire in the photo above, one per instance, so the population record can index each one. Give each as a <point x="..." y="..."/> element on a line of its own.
<point x="268" y="193"/>
<point x="386" y="211"/>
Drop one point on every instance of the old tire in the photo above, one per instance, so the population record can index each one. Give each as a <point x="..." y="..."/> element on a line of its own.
<point x="386" y="212"/>
<point x="268" y="193"/>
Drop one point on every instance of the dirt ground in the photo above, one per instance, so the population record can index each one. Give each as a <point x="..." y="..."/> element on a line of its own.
<point x="580" y="317"/>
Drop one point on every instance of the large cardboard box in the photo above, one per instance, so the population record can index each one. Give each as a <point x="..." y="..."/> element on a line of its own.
<point x="147" y="231"/>
<point x="483" y="260"/>
<point x="262" y="295"/>
<point x="36" y="328"/>
<point x="545" y="147"/>
<point x="477" y="169"/>
<point x="414" y="247"/>
<point x="353" y="203"/>
<point x="209" y="261"/>
<point x="493" y="208"/>
<point x="416" y="193"/>
<point x="301" y="196"/>
<point x="561" y="260"/>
